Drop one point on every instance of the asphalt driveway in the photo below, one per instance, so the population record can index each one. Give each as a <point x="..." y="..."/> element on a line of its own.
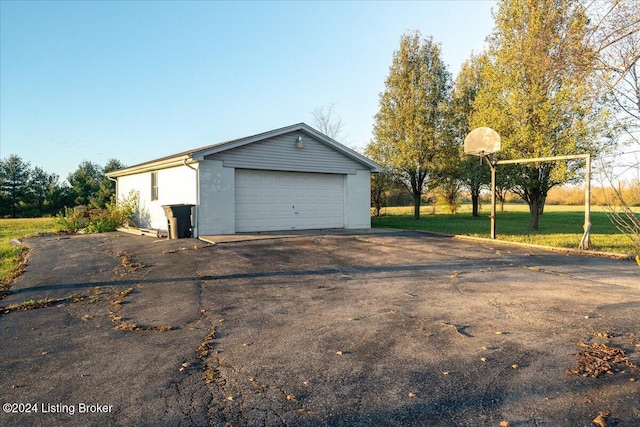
<point x="348" y="329"/>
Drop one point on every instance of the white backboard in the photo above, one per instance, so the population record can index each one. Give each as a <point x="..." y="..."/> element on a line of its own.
<point x="482" y="141"/>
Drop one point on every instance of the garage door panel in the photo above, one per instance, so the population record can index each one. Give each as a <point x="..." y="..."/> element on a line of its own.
<point x="299" y="193"/>
<point x="270" y="200"/>
<point x="270" y="207"/>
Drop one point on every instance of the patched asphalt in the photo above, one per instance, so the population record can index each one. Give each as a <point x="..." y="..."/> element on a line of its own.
<point x="335" y="329"/>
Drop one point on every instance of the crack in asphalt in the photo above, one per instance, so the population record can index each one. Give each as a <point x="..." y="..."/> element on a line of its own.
<point x="329" y="271"/>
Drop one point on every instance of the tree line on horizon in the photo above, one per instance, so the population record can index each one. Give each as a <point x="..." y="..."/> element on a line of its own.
<point x="27" y="191"/>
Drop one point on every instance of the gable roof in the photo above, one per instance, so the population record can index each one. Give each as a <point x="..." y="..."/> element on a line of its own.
<point x="198" y="154"/>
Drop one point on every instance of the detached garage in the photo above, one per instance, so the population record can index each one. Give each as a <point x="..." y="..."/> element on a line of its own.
<point x="286" y="179"/>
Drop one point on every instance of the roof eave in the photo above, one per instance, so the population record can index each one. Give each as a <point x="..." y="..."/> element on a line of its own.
<point x="197" y="155"/>
<point x="153" y="166"/>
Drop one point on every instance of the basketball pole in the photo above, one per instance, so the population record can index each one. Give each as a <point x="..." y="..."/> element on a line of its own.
<point x="492" y="165"/>
<point x="481" y="142"/>
<point x="585" y="242"/>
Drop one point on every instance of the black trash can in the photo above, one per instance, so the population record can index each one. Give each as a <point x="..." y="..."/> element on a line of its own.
<point x="178" y="220"/>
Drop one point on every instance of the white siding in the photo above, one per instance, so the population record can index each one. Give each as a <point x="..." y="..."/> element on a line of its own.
<point x="216" y="214"/>
<point x="175" y="185"/>
<point x="358" y="200"/>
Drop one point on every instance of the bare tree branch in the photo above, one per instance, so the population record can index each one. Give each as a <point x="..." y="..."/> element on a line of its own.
<point x="328" y="121"/>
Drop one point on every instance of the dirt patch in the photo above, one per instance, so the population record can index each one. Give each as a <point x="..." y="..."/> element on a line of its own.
<point x="127" y="264"/>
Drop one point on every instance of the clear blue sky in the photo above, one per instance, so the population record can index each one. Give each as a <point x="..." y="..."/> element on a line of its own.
<point x="94" y="80"/>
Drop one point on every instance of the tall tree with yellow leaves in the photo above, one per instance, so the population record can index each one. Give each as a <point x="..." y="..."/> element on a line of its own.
<point x="538" y="92"/>
<point x="411" y="135"/>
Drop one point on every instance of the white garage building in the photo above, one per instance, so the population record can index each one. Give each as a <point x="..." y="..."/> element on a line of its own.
<point x="285" y="179"/>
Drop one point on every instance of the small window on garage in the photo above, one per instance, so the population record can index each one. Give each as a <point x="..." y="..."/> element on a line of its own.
<point x="154" y="185"/>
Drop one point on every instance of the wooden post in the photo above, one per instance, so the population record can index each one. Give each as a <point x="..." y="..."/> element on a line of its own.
<point x="493" y="198"/>
<point x="585" y="242"/>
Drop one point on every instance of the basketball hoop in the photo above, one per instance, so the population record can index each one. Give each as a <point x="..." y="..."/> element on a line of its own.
<point x="481" y="142"/>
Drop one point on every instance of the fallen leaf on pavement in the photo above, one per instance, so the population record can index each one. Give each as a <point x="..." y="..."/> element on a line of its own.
<point x="601" y="420"/>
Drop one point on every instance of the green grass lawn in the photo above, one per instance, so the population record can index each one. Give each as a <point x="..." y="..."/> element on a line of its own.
<point x="10" y="254"/>
<point x="560" y="226"/>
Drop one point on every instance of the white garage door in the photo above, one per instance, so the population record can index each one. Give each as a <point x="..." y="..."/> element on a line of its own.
<point x="270" y="200"/>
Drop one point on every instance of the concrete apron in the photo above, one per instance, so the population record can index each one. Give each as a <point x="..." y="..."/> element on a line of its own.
<point x="264" y="235"/>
